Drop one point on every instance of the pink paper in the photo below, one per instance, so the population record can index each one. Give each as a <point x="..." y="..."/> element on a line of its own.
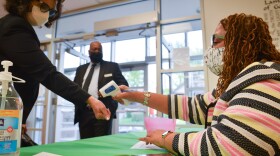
<point x="166" y="124"/>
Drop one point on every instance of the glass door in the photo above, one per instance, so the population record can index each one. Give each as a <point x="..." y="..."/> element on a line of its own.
<point x="131" y="117"/>
<point x="182" y="60"/>
<point x="69" y="58"/>
<point x="38" y="120"/>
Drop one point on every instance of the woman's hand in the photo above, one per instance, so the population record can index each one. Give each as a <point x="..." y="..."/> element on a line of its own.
<point x="154" y="137"/>
<point x="123" y="95"/>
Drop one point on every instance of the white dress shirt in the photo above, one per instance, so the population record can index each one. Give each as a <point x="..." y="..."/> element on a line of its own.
<point x="93" y="87"/>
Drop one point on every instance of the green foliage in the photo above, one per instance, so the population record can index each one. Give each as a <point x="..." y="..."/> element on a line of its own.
<point x="135" y="78"/>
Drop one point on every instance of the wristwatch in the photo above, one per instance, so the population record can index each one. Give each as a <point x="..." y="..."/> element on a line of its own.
<point x="164" y="135"/>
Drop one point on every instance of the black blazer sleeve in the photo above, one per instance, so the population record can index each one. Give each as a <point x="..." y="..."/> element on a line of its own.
<point x="19" y="44"/>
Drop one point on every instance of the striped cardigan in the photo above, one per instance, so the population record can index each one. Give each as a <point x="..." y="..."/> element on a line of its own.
<point x="244" y="121"/>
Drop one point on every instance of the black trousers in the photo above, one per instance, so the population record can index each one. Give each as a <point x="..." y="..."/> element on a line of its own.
<point x="92" y="127"/>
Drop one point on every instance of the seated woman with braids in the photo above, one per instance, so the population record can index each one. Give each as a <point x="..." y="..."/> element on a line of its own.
<point x="242" y="115"/>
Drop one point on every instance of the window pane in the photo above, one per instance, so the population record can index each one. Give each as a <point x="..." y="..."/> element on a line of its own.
<point x="186" y="7"/>
<point x="134" y="78"/>
<point x="165" y="52"/>
<point x="185" y="83"/>
<point x="106" y="51"/>
<point x="152" y="78"/>
<point x="195" y="44"/>
<point x="182" y="45"/>
<point x="152" y="46"/>
<point x="131" y="117"/>
<point x="175" y="40"/>
<point x="71" y="61"/>
<point x="130" y="50"/>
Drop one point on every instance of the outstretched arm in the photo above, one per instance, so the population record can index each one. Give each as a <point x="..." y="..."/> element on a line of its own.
<point x="99" y="109"/>
<point x="155" y="101"/>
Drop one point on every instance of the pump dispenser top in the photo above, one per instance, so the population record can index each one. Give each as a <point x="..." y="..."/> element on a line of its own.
<point x="5" y="77"/>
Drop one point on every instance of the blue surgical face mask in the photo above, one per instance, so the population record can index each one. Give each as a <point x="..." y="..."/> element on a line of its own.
<point x="213" y="58"/>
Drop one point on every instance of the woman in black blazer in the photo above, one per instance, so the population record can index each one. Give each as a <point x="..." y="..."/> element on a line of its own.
<point x="20" y="44"/>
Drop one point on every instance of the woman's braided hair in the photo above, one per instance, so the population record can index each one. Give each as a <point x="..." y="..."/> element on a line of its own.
<point x="247" y="40"/>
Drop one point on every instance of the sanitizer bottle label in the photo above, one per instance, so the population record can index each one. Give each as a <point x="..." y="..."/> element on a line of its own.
<point x="8" y="130"/>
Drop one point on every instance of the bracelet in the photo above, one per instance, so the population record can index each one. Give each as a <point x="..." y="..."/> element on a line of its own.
<point x="164" y="135"/>
<point x="147" y="95"/>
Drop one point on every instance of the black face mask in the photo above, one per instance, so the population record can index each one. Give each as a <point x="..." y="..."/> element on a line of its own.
<point x="96" y="57"/>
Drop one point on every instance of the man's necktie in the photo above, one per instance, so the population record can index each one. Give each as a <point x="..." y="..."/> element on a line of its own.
<point x="89" y="77"/>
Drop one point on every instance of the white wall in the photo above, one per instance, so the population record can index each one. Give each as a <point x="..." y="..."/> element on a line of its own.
<point x="214" y="10"/>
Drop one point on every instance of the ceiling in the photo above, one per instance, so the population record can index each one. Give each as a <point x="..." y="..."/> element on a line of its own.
<point x="70" y="6"/>
<point x="78" y="5"/>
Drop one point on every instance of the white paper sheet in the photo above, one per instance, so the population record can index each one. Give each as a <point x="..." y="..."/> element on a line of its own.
<point x="142" y="145"/>
<point x="46" y="154"/>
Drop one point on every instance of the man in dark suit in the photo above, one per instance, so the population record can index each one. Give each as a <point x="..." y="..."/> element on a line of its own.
<point x="103" y="72"/>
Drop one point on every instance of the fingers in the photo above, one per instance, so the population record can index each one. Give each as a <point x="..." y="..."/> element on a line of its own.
<point x="109" y="114"/>
<point x="121" y="96"/>
<point x="123" y="87"/>
<point x="119" y="100"/>
<point x="104" y="114"/>
<point x="145" y="139"/>
<point x="100" y="111"/>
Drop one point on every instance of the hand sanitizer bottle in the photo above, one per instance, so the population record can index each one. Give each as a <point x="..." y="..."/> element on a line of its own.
<point x="10" y="113"/>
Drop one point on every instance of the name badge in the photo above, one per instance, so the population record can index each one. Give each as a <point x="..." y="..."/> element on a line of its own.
<point x="108" y="75"/>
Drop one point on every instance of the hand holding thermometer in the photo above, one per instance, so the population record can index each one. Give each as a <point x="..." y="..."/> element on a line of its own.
<point x="112" y="89"/>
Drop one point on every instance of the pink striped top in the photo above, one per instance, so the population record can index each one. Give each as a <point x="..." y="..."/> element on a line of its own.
<point x="244" y="121"/>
